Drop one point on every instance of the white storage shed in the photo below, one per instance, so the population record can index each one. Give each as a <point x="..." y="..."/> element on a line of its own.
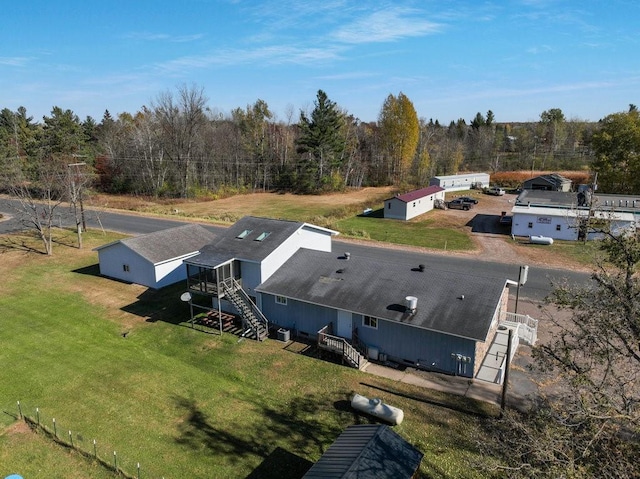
<point x="464" y="181"/>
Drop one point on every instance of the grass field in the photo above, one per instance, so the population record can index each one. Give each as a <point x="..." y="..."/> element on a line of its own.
<point x="339" y="211"/>
<point x="117" y="363"/>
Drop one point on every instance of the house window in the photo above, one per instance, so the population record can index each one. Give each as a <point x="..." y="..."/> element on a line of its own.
<point x="281" y="300"/>
<point x="244" y="234"/>
<point x="370" y="322"/>
<point x="530" y="225"/>
<point x="263" y="236"/>
<point x="125" y="268"/>
<point x="389" y="204"/>
<point x="557" y="227"/>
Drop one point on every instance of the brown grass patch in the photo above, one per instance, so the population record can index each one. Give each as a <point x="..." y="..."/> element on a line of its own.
<point x="17" y="428"/>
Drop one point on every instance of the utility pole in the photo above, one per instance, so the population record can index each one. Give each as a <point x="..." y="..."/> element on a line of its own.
<point x="507" y="367"/>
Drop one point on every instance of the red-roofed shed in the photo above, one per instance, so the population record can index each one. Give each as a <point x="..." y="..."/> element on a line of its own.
<point x="412" y="204"/>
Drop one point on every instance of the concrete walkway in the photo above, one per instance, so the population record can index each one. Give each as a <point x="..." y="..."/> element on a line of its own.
<point x="474" y="389"/>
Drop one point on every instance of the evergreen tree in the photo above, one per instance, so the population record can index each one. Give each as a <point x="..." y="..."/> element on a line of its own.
<point x="322" y="145"/>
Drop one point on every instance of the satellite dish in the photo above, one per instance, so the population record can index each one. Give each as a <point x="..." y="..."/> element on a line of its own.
<point x="186" y="297"/>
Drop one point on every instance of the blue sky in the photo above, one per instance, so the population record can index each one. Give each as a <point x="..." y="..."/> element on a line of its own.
<point x="451" y="58"/>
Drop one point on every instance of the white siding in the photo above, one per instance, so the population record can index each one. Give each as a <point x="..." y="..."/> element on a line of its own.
<point x="395" y="209"/>
<point x="115" y="258"/>
<point x="305" y="237"/>
<point x="460" y="182"/>
<point x="556" y="227"/>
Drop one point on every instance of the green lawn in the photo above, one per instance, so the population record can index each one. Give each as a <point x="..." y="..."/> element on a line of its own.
<point x="116" y="363"/>
<point x="423" y="233"/>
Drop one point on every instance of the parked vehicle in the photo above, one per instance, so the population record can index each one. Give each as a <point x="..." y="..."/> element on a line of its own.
<point x="468" y="199"/>
<point x="495" y="190"/>
<point x="458" y="204"/>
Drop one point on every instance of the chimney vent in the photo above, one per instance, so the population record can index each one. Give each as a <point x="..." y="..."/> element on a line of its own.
<point x="347" y="256"/>
<point x="412" y="303"/>
<point x="421" y="267"/>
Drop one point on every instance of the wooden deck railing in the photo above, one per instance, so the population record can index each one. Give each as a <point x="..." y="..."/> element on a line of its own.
<point x="339" y="345"/>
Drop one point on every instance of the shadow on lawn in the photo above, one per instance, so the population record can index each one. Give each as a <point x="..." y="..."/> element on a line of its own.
<point x="468" y="407"/>
<point x="300" y="422"/>
<point x="160" y="305"/>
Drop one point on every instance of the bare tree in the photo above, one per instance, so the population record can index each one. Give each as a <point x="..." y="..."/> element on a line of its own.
<point x="181" y="121"/>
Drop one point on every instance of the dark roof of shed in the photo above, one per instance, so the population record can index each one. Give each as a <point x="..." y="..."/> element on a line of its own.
<point x="551" y="178"/>
<point x="167" y="244"/>
<point x="377" y="288"/>
<point x="228" y="245"/>
<point x="417" y="194"/>
<point x="367" y="451"/>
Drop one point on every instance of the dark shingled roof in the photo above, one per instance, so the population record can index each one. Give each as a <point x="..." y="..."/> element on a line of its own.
<point x="367" y="451"/>
<point x="379" y="289"/>
<point x="417" y="194"/>
<point x="167" y="244"/>
<point x="228" y="245"/>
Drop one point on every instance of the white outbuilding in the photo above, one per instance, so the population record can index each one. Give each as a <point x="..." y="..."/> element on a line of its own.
<point x="568" y="224"/>
<point x="156" y="259"/>
<point x="412" y="204"/>
<point x="464" y="181"/>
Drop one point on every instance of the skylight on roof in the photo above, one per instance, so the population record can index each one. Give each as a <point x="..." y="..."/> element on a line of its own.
<point x="244" y="234"/>
<point x="263" y="236"/>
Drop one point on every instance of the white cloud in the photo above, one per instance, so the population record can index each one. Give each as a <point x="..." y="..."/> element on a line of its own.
<point x="164" y="37"/>
<point x="15" y="61"/>
<point x="270" y="55"/>
<point x="386" y="26"/>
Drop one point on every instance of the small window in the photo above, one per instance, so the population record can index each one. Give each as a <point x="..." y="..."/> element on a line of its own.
<point x="530" y="225"/>
<point x="263" y="236"/>
<point x="370" y="322"/>
<point x="281" y="300"/>
<point x="557" y="227"/>
<point x="389" y="204"/>
<point x="244" y="234"/>
<point x="125" y="268"/>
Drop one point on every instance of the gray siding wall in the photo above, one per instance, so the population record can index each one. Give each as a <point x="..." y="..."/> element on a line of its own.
<point x="401" y="343"/>
<point x="295" y="315"/>
<point x="411" y="345"/>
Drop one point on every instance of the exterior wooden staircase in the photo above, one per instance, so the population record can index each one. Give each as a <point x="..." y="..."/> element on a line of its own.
<point x="335" y="344"/>
<point x="254" y="322"/>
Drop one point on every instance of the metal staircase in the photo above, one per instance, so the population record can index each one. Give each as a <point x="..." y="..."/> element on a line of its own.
<point x="254" y="322"/>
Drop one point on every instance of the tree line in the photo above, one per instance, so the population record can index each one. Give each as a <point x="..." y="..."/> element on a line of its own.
<point x="179" y="146"/>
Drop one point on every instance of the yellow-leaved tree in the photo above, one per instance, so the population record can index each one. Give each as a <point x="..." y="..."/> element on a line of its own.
<point x="400" y="131"/>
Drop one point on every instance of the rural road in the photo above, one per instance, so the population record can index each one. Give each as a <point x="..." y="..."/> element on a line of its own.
<point x="539" y="283"/>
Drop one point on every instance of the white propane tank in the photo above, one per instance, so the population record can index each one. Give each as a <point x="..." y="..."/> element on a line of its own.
<point x="540" y="240"/>
<point x="377" y="408"/>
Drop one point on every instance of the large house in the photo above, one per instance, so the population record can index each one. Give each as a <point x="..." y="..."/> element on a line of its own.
<point x="283" y="275"/>
<point x="414" y="203"/>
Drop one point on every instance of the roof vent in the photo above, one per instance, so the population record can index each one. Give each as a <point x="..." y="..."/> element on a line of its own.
<point x="412" y="303"/>
<point x="340" y="271"/>
<point x="347" y="256"/>
<point x="421" y="268"/>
